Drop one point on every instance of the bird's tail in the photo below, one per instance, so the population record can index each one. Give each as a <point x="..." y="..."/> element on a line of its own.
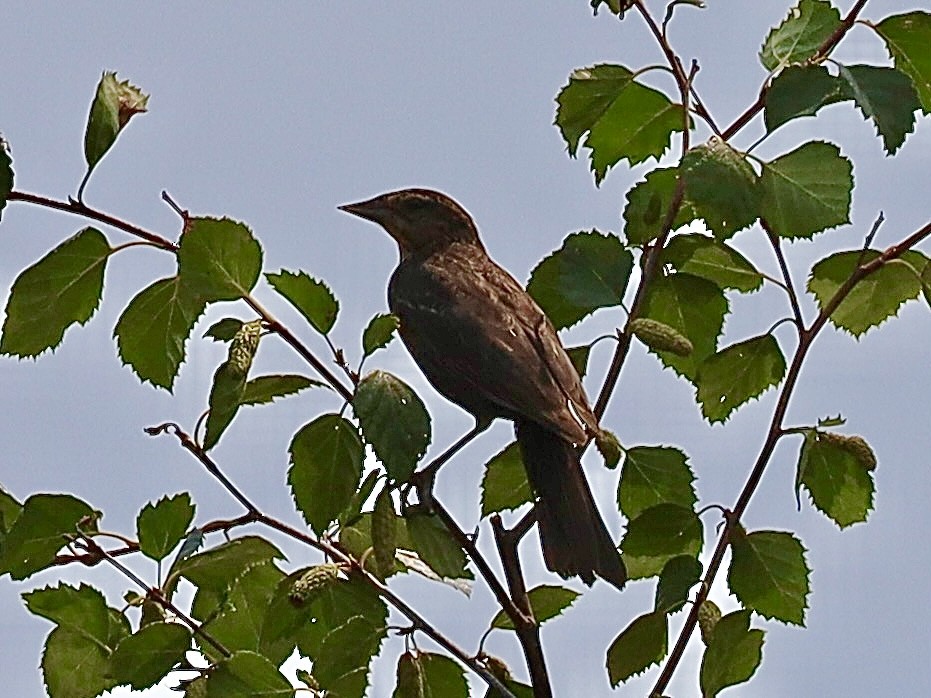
<point x="573" y="535"/>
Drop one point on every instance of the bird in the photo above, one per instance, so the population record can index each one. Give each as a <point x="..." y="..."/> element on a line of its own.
<point x="485" y="344"/>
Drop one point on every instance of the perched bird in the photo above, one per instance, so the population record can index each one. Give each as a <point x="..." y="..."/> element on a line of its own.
<point x="486" y="345"/>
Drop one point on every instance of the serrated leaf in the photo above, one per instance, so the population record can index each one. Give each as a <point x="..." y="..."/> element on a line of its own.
<point x="224" y="330"/>
<point x="873" y="299"/>
<point x="219" y="259"/>
<point x="435" y="544"/>
<point x="144" y="658"/>
<point x="733" y="654"/>
<point x="379" y="332"/>
<point x="692" y="306"/>
<point x="153" y="330"/>
<point x="82" y="609"/>
<point x="711" y="259"/>
<point x="800" y="90"/>
<point x="10" y="509"/>
<point x="42" y="529"/>
<point x="623" y="119"/>
<point x="6" y="174"/>
<point x="657" y="535"/>
<point x="840" y="487"/>
<point x="312" y="298"/>
<point x="214" y="570"/>
<point x="226" y="394"/>
<point x="505" y="485"/>
<point x="394" y="422"/>
<point x="75" y="665"/>
<point x="769" y="575"/>
<point x="161" y="526"/>
<point x="800" y="34"/>
<point x="546" y="600"/>
<point x="886" y="96"/>
<point x="247" y="675"/>
<point x="588" y="272"/>
<point x="640" y="645"/>
<point x="807" y="191"/>
<point x="326" y="468"/>
<point x="429" y="675"/>
<point x="737" y="374"/>
<point x="61" y="289"/>
<point x="907" y="38"/>
<point x="647" y="204"/>
<point x="679" y="575"/>
<point x="350" y="625"/>
<point x="114" y="104"/>
<point x="655" y="475"/>
<point x="265" y="389"/>
<point x="721" y="187"/>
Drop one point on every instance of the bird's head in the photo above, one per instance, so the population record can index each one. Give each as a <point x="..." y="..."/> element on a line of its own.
<point x="419" y="220"/>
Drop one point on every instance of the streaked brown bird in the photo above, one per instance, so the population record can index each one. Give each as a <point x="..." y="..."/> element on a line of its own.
<point x="486" y="345"/>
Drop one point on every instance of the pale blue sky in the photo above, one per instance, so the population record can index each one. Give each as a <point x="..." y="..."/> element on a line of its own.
<point x="274" y="117"/>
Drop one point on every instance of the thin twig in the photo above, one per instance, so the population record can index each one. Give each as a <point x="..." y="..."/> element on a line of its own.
<point x="773" y="434"/>
<point x="789" y="287"/>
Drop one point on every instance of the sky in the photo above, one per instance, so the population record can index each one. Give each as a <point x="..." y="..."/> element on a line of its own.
<point x="276" y="116"/>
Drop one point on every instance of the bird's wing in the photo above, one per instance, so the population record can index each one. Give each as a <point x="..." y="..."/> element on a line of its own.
<point x="485" y="344"/>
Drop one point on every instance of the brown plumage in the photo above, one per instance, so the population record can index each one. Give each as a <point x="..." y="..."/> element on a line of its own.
<point x="485" y="344"/>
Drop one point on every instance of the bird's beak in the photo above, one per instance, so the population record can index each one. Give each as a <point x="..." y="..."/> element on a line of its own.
<point x="370" y="210"/>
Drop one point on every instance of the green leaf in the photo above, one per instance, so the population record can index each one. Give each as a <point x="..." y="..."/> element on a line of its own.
<point x="429" y="675"/>
<point x="153" y="330"/>
<point x="61" y="289"/>
<point x="161" y="526"/>
<point x="219" y="259"/>
<point x="721" y="186"/>
<point x="226" y="394"/>
<point x="807" y="26"/>
<point x="839" y="485"/>
<point x="326" y="468"/>
<point x="640" y="645"/>
<point x="655" y="475"/>
<point x="6" y="173"/>
<point x="247" y="675"/>
<point x="312" y="298"/>
<point x="394" y="421"/>
<point x="657" y="535"/>
<point x="800" y="90"/>
<point x="384" y="525"/>
<point x="679" y="575"/>
<point x="873" y="299"/>
<point x="350" y="624"/>
<point x="546" y="600"/>
<point x="40" y="532"/>
<point x="588" y="272"/>
<point x="77" y="652"/>
<point x="769" y="575"/>
<point x="711" y="259"/>
<point x="648" y="203"/>
<point x="624" y="119"/>
<point x="907" y="38"/>
<point x="143" y="659"/>
<point x="887" y="97"/>
<point x="807" y="191"/>
<point x="434" y="543"/>
<point x="379" y="332"/>
<point x="733" y="654"/>
<point x="737" y="374"/>
<point x="693" y="307"/>
<point x="10" y="509"/>
<point x="505" y="485"/>
<point x="224" y="330"/>
<point x="113" y="106"/>
<point x="214" y="570"/>
<point x="579" y="358"/>
<point x="265" y="389"/>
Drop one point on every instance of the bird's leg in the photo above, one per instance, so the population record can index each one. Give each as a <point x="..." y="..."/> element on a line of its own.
<point x="423" y="479"/>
